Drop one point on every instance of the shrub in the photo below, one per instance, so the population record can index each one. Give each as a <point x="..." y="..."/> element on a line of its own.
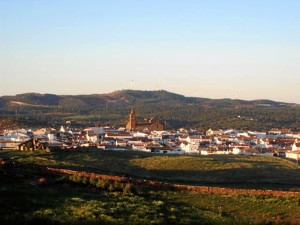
<point x="75" y="178"/>
<point x="118" y="186"/>
<point x="84" y="180"/>
<point x="93" y="181"/>
<point x="100" y="184"/>
<point x="128" y="188"/>
<point x="111" y="188"/>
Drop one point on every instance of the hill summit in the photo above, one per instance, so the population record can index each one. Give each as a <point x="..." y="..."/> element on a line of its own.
<point x="125" y="97"/>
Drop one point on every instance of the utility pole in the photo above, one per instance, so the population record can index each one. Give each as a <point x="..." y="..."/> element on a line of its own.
<point x="132" y="84"/>
<point x="237" y="94"/>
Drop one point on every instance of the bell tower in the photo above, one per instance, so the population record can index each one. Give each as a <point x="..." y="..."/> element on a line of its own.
<point x="131" y="122"/>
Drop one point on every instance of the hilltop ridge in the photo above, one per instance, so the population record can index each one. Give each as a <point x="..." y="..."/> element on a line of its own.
<point x="34" y="109"/>
<point x="125" y="97"/>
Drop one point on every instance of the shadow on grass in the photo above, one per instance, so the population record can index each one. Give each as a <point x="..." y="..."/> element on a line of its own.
<point x="25" y="201"/>
<point x="246" y="172"/>
<point x="260" y="173"/>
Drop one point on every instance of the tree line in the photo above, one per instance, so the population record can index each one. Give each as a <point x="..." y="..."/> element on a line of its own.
<point x="175" y="116"/>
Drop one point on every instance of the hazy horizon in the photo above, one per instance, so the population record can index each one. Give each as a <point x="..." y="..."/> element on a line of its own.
<point x="46" y="93"/>
<point x="212" y="49"/>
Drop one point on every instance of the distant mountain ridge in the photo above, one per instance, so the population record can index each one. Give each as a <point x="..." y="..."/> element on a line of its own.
<point x="129" y="97"/>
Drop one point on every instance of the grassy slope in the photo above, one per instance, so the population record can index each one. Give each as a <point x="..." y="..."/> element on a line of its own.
<point x="240" y="171"/>
<point x="25" y="202"/>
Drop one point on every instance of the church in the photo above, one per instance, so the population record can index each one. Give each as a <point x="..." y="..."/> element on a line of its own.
<point x="150" y="125"/>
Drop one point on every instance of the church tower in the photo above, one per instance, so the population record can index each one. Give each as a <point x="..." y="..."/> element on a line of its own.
<point x="131" y="122"/>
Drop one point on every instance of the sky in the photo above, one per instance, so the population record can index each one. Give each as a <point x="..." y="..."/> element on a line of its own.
<point x="202" y="48"/>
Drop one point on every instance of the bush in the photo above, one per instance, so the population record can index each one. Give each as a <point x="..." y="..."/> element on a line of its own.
<point x="111" y="188"/>
<point x="75" y="178"/>
<point x="128" y="188"/>
<point x="103" y="184"/>
<point x="118" y="186"/>
<point x="93" y="181"/>
<point x="84" y="180"/>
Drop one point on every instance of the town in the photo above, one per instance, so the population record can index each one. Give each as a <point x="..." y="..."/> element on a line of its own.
<point x="151" y="136"/>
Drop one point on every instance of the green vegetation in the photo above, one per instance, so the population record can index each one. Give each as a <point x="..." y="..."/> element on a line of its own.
<point x="108" y="185"/>
<point x="30" y="194"/>
<point x="218" y="170"/>
<point x="177" y="110"/>
<point x="193" y="116"/>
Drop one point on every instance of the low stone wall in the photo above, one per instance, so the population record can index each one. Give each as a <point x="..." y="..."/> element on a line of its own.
<point x="199" y="189"/>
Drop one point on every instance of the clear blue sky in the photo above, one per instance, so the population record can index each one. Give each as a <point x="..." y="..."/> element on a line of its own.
<point x="205" y="48"/>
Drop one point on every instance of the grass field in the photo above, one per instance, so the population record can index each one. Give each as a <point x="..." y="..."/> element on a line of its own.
<point x="24" y="200"/>
<point x="219" y="170"/>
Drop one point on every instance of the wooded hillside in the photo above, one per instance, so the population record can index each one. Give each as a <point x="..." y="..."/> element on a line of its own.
<point x="176" y="110"/>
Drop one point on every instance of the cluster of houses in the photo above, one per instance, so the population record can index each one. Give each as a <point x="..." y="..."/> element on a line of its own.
<point x="275" y="142"/>
<point x="151" y="136"/>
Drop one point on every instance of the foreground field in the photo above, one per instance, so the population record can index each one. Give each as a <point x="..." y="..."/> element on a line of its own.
<point x="31" y="195"/>
<point x="214" y="170"/>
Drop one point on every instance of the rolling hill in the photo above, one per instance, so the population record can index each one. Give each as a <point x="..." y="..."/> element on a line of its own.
<point x="128" y="97"/>
<point x="35" y="110"/>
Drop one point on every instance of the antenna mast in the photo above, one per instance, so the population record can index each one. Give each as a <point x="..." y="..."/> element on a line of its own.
<point x="237" y="94"/>
<point x="132" y="84"/>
